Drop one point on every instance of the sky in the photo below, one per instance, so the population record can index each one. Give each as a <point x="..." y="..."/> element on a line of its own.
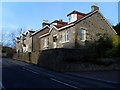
<point x="31" y="14"/>
<point x="16" y="15"/>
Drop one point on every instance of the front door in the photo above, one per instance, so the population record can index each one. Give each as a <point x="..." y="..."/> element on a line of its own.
<point x="55" y="41"/>
<point x="54" y="45"/>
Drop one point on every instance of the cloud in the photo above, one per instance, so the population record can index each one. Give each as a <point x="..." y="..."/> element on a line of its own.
<point x="12" y="26"/>
<point x="9" y="28"/>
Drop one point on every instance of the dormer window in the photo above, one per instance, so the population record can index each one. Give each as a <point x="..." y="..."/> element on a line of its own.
<point x="54" y="23"/>
<point x="58" y="23"/>
<point x="75" y="15"/>
<point x="72" y="18"/>
<point x="69" y="18"/>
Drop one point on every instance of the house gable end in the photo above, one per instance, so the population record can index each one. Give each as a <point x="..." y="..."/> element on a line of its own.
<point x="40" y="30"/>
<point x="97" y="20"/>
<point x="53" y="27"/>
<point x="107" y="22"/>
<point x="95" y="24"/>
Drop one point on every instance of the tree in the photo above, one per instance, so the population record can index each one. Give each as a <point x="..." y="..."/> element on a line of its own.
<point x="13" y="36"/>
<point x="3" y="41"/>
<point x="13" y="39"/>
<point x="9" y="39"/>
<point x="20" y="31"/>
<point x="103" y="44"/>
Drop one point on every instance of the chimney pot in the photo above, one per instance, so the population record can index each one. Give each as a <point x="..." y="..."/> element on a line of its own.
<point x="45" y="22"/>
<point x="94" y="7"/>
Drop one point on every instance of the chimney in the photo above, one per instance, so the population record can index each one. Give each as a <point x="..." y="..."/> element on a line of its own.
<point x="60" y="20"/>
<point x="45" y="22"/>
<point x="94" y="7"/>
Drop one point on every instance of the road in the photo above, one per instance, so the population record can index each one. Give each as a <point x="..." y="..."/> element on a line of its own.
<point x="16" y="74"/>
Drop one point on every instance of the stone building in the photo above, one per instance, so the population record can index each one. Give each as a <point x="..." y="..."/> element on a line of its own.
<point x="36" y="45"/>
<point x="24" y="42"/>
<point x="81" y="27"/>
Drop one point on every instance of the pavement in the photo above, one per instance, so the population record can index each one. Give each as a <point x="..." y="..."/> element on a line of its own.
<point x="17" y="74"/>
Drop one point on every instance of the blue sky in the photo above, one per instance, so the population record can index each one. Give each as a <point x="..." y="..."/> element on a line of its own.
<point x="31" y="14"/>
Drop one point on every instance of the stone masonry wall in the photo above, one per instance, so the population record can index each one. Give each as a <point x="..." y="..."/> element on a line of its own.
<point x="93" y="25"/>
<point x="55" y="59"/>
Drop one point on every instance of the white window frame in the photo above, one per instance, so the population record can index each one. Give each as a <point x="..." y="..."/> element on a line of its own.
<point x="65" y="36"/>
<point x="83" y="32"/>
<point x="46" y="42"/>
<point x="70" y="18"/>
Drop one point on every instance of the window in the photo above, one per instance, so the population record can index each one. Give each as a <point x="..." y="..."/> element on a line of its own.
<point x="83" y="35"/>
<point x="46" y="42"/>
<point x="54" y="38"/>
<point x="73" y="15"/>
<point x="65" y="36"/>
<point x="70" y="17"/>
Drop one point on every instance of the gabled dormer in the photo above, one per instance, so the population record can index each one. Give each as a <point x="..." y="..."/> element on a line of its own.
<point x="75" y="15"/>
<point x="29" y="32"/>
<point x="45" y="22"/>
<point x="17" y="39"/>
<point x="59" y="23"/>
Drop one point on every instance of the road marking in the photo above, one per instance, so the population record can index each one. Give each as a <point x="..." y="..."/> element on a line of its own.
<point x="63" y="83"/>
<point x="30" y="70"/>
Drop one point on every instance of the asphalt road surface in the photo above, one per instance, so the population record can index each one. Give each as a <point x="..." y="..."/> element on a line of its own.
<point x="16" y="74"/>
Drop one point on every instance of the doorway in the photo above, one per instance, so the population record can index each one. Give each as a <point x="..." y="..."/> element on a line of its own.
<point x="55" y="41"/>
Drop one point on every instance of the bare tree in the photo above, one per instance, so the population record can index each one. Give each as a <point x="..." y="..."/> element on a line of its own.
<point x="14" y="34"/>
<point x="9" y="39"/>
<point x="13" y="39"/>
<point x="20" y="31"/>
<point x="3" y="36"/>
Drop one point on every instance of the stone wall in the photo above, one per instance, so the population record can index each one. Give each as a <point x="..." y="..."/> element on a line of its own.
<point x="28" y="43"/>
<point x="60" y="59"/>
<point x="95" y="24"/>
<point x="34" y="57"/>
<point x="22" y="57"/>
<point x="36" y="41"/>
<point x="55" y="59"/>
<point x="65" y="60"/>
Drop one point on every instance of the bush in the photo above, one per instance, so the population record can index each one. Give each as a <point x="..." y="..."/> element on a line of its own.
<point x="111" y="52"/>
<point x="103" y="44"/>
<point x="103" y="47"/>
<point x="105" y="61"/>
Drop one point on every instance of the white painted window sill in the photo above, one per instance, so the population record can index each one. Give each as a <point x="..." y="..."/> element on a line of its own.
<point x="65" y="41"/>
<point x="83" y="40"/>
<point x="45" y="46"/>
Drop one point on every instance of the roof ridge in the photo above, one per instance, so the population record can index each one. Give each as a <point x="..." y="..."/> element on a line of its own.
<point x="75" y="11"/>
